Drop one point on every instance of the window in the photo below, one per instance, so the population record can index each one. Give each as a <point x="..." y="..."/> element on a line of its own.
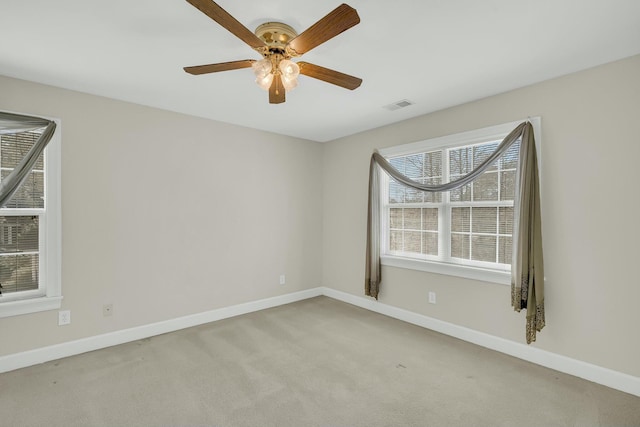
<point x="465" y="232"/>
<point x="30" y="229"/>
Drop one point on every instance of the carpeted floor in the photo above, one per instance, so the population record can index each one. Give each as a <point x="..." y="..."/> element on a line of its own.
<point x="317" y="362"/>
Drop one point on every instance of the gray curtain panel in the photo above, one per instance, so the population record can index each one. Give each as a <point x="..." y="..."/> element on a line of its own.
<point x="15" y="123"/>
<point x="527" y="271"/>
<point x="527" y="267"/>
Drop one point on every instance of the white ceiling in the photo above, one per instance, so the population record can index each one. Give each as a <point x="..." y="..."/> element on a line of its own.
<point x="436" y="53"/>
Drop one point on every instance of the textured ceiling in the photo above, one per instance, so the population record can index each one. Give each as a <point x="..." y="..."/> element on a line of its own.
<point x="435" y="53"/>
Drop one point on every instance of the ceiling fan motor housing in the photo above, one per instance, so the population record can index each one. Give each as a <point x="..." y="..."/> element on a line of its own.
<point x="276" y="36"/>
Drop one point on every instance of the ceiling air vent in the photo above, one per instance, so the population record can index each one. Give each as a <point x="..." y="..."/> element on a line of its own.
<point x="398" y="105"/>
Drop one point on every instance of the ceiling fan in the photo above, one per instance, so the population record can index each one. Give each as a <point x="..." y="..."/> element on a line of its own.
<point x="278" y="43"/>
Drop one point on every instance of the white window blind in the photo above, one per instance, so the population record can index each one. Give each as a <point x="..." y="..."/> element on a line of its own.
<point x="413" y="214"/>
<point x="482" y="212"/>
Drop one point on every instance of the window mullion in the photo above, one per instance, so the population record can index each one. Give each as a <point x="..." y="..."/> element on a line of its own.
<point x="471" y="230"/>
<point x="444" y="213"/>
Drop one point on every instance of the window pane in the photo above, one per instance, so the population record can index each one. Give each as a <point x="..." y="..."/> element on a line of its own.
<point x="398" y="163"/>
<point x="396" y="192"/>
<point x="504" y="250"/>
<point x="460" y="246"/>
<point x="481" y="152"/>
<point x="413" y="241"/>
<point x="425" y="168"/>
<point x="483" y="248"/>
<point x="411" y="195"/>
<point x="506" y="220"/>
<point x="484" y="220"/>
<point x="462" y="194"/>
<point x="433" y="164"/>
<point x="430" y="244"/>
<point x="18" y="234"/>
<point x="430" y="197"/>
<point x="14" y="147"/>
<point x="413" y="166"/>
<point x="395" y="217"/>
<point x="507" y="185"/>
<point x="412" y="219"/>
<point x="395" y="241"/>
<point x="19" y="273"/>
<point x="486" y="187"/>
<point x="460" y="161"/>
<point x="430" y="219"/>
<point x="31" y="192"/>
<point x="509" y="160"/>
<point x="461" y="219"/>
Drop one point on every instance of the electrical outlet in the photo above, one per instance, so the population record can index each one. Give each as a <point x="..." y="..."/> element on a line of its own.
<point x="432" y="297"/>
<point x="107" y="310"/>
<point x="282" y="281"/>
<point x="64" y="317"/>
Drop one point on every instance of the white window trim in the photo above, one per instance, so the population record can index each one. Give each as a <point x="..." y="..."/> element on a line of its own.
<point x="51" y="243"/>
<point x="477" y="136"/>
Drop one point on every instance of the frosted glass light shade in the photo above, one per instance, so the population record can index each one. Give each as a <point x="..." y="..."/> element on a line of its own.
<point x="290" y="72"/>
<point x="289" y="84"/>
<point x="265" y="82"/>
<point x="262" y="70"/>
<point x="289" y="69"/>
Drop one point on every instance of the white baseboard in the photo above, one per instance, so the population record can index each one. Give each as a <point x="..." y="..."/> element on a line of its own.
<point x="45" y="354"/>
<point x="567" y="365"/>
<point x="594" y="373"/>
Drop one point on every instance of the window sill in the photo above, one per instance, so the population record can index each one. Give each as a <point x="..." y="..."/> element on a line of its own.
<point x="31" y="305"/>
<point x="467" y="272"/>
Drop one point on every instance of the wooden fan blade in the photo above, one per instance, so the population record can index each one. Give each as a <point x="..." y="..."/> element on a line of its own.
<point x="222" y="66"/>
<point x="330" y="76"/>
<point x="340" y="19"/>
<point x="222" y="17"/>
<point x="276" y="91"/>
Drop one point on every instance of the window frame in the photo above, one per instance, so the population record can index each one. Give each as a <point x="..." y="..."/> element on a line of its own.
<point x="470" y="270"/>
<point x="48" y="296"/>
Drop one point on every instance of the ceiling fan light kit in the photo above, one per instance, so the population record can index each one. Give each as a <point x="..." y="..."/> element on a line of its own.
<point x="278" y="43"/>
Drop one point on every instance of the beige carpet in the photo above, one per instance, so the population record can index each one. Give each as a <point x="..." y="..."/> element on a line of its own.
<point x="317" y="362"/>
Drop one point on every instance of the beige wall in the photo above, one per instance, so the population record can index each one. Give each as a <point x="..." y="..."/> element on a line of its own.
<point x="166" y="215"/>
<point x="590" y="142"/>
